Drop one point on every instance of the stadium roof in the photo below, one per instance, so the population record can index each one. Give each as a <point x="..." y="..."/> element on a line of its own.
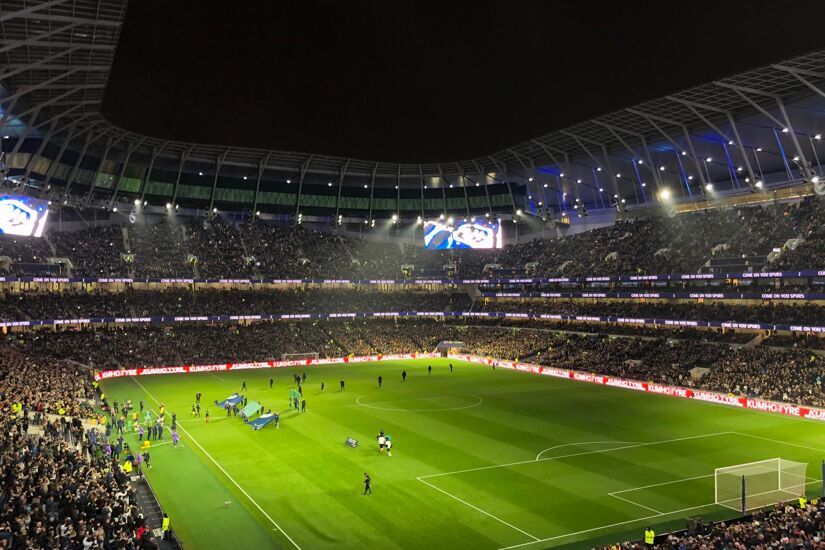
<point x="57" y="58"/>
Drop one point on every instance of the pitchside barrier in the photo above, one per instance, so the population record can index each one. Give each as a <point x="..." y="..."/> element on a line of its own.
<point x="633" y="321"/>
<point x="185" y="369"/>
<point x="803" y="274"/>
<point x="787" y="409"/>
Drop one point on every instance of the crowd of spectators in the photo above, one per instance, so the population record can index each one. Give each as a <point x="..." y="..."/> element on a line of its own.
<point x="146" y="303"/>
<point x="138" y="303"/>
<point x="58" y="487"/>
<point x="651" y="245"/>
<point x="783" y="374"/>
<point x="780" y="526"/>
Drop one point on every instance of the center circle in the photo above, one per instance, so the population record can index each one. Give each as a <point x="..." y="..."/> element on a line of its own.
<point x="434" y="404"/>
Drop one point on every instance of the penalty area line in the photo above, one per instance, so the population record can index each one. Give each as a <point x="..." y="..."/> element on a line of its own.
<point x="476" y="508"/>
<point x="229" y="477"/>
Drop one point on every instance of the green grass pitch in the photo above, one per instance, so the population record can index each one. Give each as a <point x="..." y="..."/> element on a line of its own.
<point x="483" y="459"/>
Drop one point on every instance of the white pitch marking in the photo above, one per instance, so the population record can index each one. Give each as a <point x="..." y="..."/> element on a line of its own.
<point x="488" y="514"/>
<point x="577" y="454"/>
<point x="215" y="462"/>
<point x="780" y="441"/>
<point x="585" y="443"/>
<point x="634" y="503"/>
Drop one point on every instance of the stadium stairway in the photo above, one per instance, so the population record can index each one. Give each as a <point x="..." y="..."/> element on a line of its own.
<point x="148" y="504"/>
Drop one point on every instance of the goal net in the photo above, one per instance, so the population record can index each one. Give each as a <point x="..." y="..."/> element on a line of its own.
<point x="754" y="485"/>
<point x="299" y="356"/>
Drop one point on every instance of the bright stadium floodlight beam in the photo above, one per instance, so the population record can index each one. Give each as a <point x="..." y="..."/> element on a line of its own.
<point x="394" y="217"/>
<point x="708" y="159"/>
<point x="759" y="184"/>
<point x="214" y="210"/>
<point x="709" y="187"/>
<point x="640" y="161"/>
<point x="578" y="180"/>
<point x="518" y="212"/>
<point x="168" y="205"/>
<point x="450" y="220"/>
<point x="137" y="202"/>
<point x="289" y="181"/>
<point x="441" y="217"/>
<point x="529" y="179"/>
<point x="661" y="169"/>
<point x="784" y="130"/>
<point x="114" y="209"/>
<point x="664" y="194"/>
<point x="815" y="179"/>
<point x="818" y="137"/>
<point x="200" y="173"/>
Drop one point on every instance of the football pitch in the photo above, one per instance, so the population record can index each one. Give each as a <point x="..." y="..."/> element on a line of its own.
<point x="482" y="458"/>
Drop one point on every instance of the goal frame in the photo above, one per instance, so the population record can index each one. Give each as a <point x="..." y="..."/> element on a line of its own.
<point x="783" y="493"/>
<point x="312" y="355"/>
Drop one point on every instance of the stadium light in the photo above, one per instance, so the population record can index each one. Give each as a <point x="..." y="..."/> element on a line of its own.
<point x="818" y="137"/>
<point x="441" y="217"/>
<point x="578" y="180"/>
<point x="623" y="201"/>
<point x="690" y="178"/>
<point x="244" y="178"/>
<point x="618" y="175"/>
<point x="598" y="169"/>
<point x="815" y="179"/>
<point x="684" y="153"/>
<point x="759" y="184"/>
<point x="200" y="173"/>
<point x="561" y="175"/>
<point x="137" y="202"/>
<point x="394" y="217"/>
<point x="114" y="209"/>
<point x="644" y="184"/>
<point x="450" y="220"/>
<point x="365" y="186"/>
<point x="472" y="220"/>
<point x="145" y="203"/>
<point x="601" y="189"/>
<point x="289" y="181"/>
<point x="487" y="214"/>
<point x="738" y="168"/>
<point x="214" y="210"/>
<point x="518" y="212"/>
<point x="329" y="184"/>
<point x="758" y="149"/>
<point x="168" y="205"/>
<point x="709" y="187"/>
<point x="545" y="185"/>
<point x="730" y="142"/>
<point x="796" y="158"/>
<point x="177" y="206"/>
<point x="708" y="159"/>
<point x="664" y="194"/>
<point x="529" y="179"/>
<point x="477" y="184"/>
<point x="257" y="212"/>
<point x="661" y="169"/>
<point x="640" y="161"/>
<point x="784" y="130"/>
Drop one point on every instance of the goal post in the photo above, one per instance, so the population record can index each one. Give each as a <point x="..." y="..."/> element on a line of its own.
<point x="313" y="355"/>
<point x="745" y="487"/>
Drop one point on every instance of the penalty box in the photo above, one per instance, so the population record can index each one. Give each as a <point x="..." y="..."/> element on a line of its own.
<point x="583" y="488"/>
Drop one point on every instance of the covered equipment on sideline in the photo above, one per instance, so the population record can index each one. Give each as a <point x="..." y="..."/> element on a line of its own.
<point x="230" y="401"/>
<point x="263" y="420"/>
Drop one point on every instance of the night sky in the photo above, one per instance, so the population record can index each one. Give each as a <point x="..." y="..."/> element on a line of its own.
<point x="425" y="81"/>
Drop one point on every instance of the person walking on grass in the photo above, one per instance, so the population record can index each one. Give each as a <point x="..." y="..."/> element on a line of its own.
<point x="367" y="484"/>
<point x="271" y="381"/>
<point x="403" y="376"/>
<point x="429" y="369"/>
<point x="380" y="380"/>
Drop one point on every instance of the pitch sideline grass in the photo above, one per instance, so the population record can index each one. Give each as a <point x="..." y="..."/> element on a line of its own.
<point x="305" y="479"/>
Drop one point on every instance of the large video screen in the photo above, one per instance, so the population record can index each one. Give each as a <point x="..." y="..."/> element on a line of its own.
<point x="23" y="216"/>
<point x="441" y="235"/>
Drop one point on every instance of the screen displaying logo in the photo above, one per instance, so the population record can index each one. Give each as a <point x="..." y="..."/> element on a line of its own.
<point x="440" y="235"/>
<point x="23" y="216"/>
